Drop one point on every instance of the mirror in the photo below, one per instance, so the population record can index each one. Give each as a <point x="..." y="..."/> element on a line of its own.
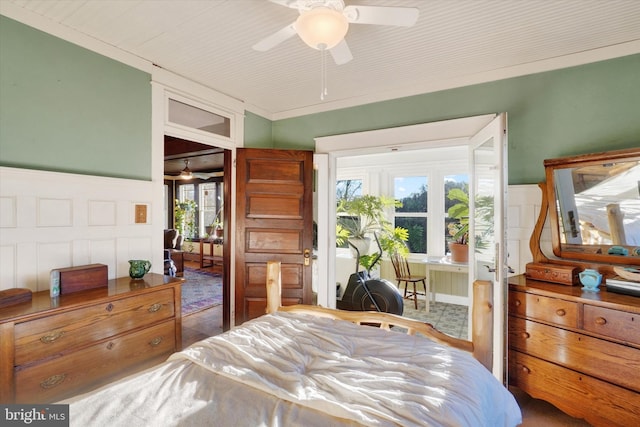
<point x="594" y="206"/>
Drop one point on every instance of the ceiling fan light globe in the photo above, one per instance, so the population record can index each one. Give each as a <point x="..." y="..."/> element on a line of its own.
<point x="322" y="27"/>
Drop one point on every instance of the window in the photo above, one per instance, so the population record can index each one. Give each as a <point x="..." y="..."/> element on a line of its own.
<point x="347" y="189"/>
<point x="211" y="200"/>
<point x="412" y="191"/>
<point x="208" y="198"/>
<point x="460" y="181"/>
<point x="197" y="118"/>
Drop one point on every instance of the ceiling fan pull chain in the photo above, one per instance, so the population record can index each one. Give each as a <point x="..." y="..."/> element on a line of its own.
<point x="323" y="73"/>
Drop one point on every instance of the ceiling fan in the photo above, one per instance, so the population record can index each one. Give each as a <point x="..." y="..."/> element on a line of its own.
<point x="322" y="24"/>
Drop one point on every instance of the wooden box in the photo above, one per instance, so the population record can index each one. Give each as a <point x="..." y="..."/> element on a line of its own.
<point x="83" y="277"/>
<point x="562" y="274"/>
<point x="14" y="296"/>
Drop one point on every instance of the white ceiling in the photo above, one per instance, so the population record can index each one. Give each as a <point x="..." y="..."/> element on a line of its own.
<point x="454" y="43"/>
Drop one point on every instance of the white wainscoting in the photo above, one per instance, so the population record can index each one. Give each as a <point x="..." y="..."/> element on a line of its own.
<point x="54" y="220"/>
<point x="522" y="213"/>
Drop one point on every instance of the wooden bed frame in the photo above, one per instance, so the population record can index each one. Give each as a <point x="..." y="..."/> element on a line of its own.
<point x="480" y="346"/>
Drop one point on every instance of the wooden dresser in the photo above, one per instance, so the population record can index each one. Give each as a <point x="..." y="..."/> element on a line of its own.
<point x="53" y="351"/>
<point x="578" y="350"/>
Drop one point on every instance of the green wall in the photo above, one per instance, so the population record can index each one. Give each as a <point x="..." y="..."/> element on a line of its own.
<point x="257" y="131"/>
<point x="589" y="108"/>
<point x="65" y="108"/>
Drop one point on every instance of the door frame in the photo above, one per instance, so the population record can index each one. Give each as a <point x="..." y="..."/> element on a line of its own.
<point x="405" y="138"/>
<point x="164" y="85"/>
<point x="446" y="133"/>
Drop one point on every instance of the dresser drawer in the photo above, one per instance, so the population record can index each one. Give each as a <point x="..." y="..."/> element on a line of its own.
<point x="599" y="358"/>
<point x="616" y="324"/>
<point x="47" y="337"/>
<point x="80" y="371"/>
<point x="546" y="309"/>
<point x="571" y="391"/>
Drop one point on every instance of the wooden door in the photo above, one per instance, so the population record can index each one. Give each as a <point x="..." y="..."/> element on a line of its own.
<point x="274" y="221"/>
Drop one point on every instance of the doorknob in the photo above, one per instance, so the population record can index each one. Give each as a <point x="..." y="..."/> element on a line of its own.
<point x="307" y="256"/>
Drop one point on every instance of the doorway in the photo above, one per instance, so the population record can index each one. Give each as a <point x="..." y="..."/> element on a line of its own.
<point x="455" y="132"/>
<point x="196" y="189"/>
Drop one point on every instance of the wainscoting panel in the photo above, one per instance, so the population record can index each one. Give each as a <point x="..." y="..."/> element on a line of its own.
<point x="522" y="214"/>
<point x="102" y="212"/>
<point x="50" y="256"/>
<point x="55" y="220"/>
<point x="55" y="212"/>
<point x="8" y="270"/>
<point x="8" y="212"/>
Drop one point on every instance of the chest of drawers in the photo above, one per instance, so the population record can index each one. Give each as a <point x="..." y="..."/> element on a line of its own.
<point x="578" y="350"/>
<point x="53" y="350"/>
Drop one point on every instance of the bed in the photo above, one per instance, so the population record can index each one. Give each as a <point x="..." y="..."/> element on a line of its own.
<point x="303" y="365"/>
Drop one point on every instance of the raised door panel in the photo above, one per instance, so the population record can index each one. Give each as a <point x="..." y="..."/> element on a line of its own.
<point x="274" y="219"/>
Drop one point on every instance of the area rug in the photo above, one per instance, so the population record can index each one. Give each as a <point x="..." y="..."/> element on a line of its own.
<point x="201" y="290"/>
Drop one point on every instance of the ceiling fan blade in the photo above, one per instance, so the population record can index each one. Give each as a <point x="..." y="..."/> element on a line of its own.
<point x="380" y="15"/>
<point x="275" y="39"/>
<point x="341" y="53"/>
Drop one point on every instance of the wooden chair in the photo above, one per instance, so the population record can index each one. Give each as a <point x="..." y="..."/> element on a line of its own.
<point x="403" y="274"/>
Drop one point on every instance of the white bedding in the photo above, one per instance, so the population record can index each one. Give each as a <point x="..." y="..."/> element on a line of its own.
<point x="290" y="369"/>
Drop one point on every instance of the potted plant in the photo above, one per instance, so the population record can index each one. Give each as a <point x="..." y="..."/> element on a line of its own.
<point x="216" y="228"/>
<point x="363" y="218"/>
<point x="185" y="220"/>
<point x="459" y="229"/>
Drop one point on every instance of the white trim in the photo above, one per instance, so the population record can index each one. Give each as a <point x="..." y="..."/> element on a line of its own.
<point x="178" y="128"/>
<point x="41" y="23"/>
<point x="428" y="135"/>
<point x="573" y="60"/>
<point x="321" y="162"/>
<point x="435" y="134"/>
<point x="164" y="83"/>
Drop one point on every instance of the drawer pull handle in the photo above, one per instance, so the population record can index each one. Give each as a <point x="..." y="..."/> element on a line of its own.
<point x="518" y="303"/>
<point x="48" y="339"/>
<point x="53" y="381"/>
<point x="525" y="335"/>
<point x="601" y="321"/>
<point x="155" y="307"/>
<point x="156" y="341"/>
<point x="109" y="307"/>
<point x="526" y="370"/>
<point x="561" y="312"/>
<point x="110" y="346"/>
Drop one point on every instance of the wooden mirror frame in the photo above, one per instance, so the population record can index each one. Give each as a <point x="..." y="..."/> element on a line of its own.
<point x="552" y="165"/>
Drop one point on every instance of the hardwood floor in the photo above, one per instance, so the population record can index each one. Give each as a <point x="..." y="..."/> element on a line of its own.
<point x="201" y="325"/>
<point x="535" y="412"/>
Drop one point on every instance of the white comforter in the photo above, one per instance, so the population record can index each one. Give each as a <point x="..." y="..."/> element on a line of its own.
<point x="291" y="369"/>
